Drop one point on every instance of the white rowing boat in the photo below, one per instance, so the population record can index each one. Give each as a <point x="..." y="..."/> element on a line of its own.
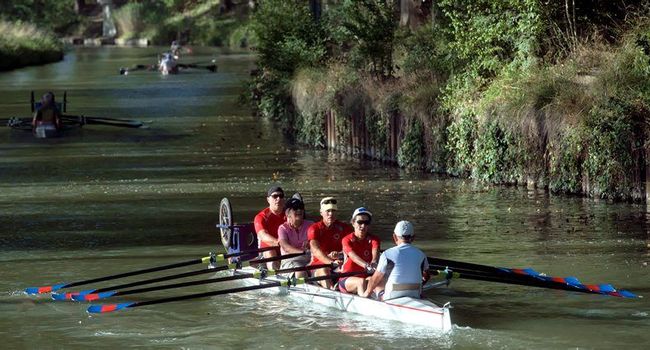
<point x="420" y="312"/>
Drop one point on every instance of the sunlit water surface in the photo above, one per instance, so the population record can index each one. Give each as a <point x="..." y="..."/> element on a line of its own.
<point x="104" y="200"/>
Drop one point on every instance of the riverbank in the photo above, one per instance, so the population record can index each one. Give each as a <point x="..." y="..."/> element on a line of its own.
<point x="565" y="112"/>
<point x="22" y="44"/>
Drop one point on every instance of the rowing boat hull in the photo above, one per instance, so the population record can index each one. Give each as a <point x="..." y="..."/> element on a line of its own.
<point x="420" y="312"/>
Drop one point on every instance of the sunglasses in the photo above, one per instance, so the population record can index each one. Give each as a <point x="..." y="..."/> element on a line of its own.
<point x="363" y="222"/>
<point x="277" y="195"/>
<point x="330" y="201"/>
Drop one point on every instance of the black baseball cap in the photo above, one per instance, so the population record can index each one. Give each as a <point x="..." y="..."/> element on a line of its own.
<point x="274" y="189"/>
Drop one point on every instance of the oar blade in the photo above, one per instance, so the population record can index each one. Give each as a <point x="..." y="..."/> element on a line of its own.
<point x="63" y="296"/>
<point x="606" y="288"/>
<point x="94" y="296"/>
<point x="44" y="289"/>
<point x="625" y="294"/>
<point x="100" y="309"/>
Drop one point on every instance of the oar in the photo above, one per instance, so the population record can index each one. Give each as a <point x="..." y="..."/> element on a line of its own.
<point x="81" y="295"/>
<point x="210" y="67"/>
<point x="527" y="276"/>
<point x="603" y="289"/>
<point x="204" y="260"/>
<point x="257" y="274"/>
<point x="271" y="284"/>
<point x="83" y="120"/>
<point x="15" y="121"/>
<point x="137" y="67"/>
<point x="213" y="60"/>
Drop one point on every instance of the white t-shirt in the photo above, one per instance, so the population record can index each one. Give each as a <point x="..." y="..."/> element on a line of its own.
<point x="407" y="264"/>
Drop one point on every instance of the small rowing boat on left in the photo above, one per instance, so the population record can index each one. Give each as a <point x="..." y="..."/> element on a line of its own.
<point x="67" y="122"/>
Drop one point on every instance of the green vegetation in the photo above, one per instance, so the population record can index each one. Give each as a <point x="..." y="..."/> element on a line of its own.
<point x="211" y="22"/>
<point x="29" y="31"/>
<point x="23" y="44"/>
<point x="57" y="16"/>
<point x="553" y="95"/>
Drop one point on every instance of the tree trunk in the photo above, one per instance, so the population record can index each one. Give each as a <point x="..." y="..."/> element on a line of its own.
<point x="406" y="13"/>
<point x="315" y="7"/>
<point x="79" y="6"/>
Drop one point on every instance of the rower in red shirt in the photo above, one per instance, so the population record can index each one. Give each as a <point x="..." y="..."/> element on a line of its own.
<point x="361" y="251"/>
<point x="325" y="239"/>
<point x="267" y="222"/>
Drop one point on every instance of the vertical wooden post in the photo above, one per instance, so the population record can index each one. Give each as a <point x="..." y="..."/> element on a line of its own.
<point x="328" y="130"/>
<point x="335" y="143"/>
<point x="366" y="137"/>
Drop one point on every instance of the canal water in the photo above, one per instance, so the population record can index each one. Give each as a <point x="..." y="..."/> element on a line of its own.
<point x="104" y="200"/>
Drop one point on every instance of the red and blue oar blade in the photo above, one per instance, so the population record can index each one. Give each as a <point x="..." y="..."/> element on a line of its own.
<point x="75" y="296"/>
<point x="63" y="296"/>
<point x="94" y="296"/>
<point x="624" y="294"/>
<point x="573" y="282"/>
<point x="44" y="289"/>
<point x="100" y="309"/>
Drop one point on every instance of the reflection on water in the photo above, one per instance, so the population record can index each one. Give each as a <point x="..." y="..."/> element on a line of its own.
<point x="107" y="200"/>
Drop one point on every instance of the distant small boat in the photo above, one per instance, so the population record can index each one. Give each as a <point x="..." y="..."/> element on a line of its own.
<point x="69" y="122"/>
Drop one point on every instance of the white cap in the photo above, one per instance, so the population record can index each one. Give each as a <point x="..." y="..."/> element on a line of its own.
<point x="328" y="203"/>
<point x="361" y="211"/>
<point x="404" y="229"/>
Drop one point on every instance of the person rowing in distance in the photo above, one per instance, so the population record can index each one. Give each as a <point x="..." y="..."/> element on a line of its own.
<point x="268" y="221"/>
<point x="325" y="239"/>
<point x="401" y="270"/>
<point x="361" y="250"/>
<point x="175" y="49"/>
<point x="47" y="118"/>
<point x="292" y="236"/>
<point x="168" y="64"/>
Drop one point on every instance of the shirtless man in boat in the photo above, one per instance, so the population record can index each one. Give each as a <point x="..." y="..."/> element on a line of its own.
<point x="268" y="221"/>
<point x="325" y="239"/>
<point x="361" y="251"/>
<point x="405" y="265"/>
<point x="47" y="118"/>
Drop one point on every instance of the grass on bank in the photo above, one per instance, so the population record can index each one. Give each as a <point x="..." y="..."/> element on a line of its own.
<point x="23" y="44"/>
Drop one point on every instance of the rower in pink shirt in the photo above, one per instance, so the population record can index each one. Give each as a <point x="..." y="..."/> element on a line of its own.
<point x="292" y="236"/>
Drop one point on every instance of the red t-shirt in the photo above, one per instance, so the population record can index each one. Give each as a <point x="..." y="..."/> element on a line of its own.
<point x="266" y="220"/>
<point x="329" y="238"/>
<point x="363" y="248"/>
